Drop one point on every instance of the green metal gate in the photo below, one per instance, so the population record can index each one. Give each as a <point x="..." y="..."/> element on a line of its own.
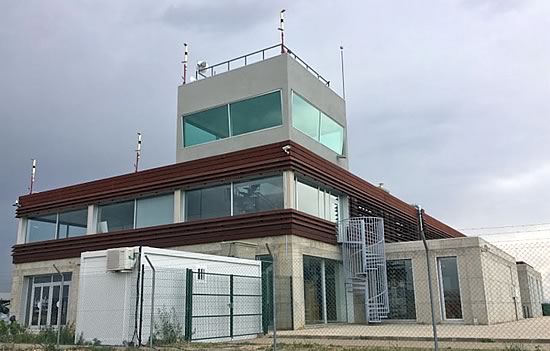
<point x="221" y="306"/>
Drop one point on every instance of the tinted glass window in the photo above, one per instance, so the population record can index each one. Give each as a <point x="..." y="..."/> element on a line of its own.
<point x="332" y="134"/>
<point x="156" y="210"/>
<point x="305" y="117"/>
<point x="41" y="228"/>
<point x="205" y="126"/>
<point x="256" y="113"/>
<point x="208" y="203"/>
<point x="118" y="216"/>
<point x="73" y="223"/>
<point x="258" y="195"/>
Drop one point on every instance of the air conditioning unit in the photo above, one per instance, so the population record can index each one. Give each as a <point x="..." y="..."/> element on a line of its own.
<point x="121" y="260"/>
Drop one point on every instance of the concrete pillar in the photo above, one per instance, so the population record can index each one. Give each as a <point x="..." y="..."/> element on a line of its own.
<point x="91" y="227"/>
<point x="179" y="205"/>
<point x="21" y="231"/>
<point x="289" y="189"/>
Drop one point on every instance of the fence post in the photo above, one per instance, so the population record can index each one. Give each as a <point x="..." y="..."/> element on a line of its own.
<point x="59" y="304"/>
<point x="141" y="304"/>
<point x="188" y="305"/>
<point x="423" y="237"/>
<point x="274" y="284"/>
<point x="231" y="290"/>
<point x="152" y="325"/>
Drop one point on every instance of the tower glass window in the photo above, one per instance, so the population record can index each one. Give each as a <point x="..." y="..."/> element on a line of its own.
<point x="332" y="134"/>
<point x="236" y="118"/>
<point x="254" y="114"/>
<point x="205" y="126"/>
<point x="305" y="117"/>
<point x="309" y="120"/>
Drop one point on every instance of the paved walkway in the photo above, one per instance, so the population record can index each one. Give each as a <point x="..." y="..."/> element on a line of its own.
<point x="532" y="330"/>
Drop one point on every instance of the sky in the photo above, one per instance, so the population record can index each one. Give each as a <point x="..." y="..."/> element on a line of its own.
<point x="448" y="102"/>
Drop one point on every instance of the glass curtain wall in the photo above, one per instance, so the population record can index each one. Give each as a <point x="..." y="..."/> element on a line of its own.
<point x="236" y="118"/>
<point x="449" y="288"/>
<point x="324" y="291"/>
<point x="401" y="289"/>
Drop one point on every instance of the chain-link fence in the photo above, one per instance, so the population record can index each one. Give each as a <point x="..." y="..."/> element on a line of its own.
<point x="487" y="291"/>
<point x="480" y="291"/>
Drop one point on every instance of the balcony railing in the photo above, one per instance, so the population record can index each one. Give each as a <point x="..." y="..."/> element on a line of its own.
<point x="253" y="57"/>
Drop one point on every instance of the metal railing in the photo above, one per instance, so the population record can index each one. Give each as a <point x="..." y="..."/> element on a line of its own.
<point x="256" y="56"/>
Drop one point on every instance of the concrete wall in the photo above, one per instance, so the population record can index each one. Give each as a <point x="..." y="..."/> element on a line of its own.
<point x="484" y="278"/>
<point x="530" y="282"/>
<point x="282" y="73"/>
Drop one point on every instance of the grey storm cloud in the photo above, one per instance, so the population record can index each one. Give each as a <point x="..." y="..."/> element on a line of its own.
<point x="448" y="102"/>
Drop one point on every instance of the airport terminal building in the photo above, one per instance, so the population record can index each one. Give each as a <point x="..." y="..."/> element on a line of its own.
<point x="262" y="158"/>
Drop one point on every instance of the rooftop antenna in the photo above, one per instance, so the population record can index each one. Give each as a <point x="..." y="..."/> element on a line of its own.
<point x="185" y="54"/>
<point x="282" y="29"/>
<point x="33" y="174"/>
<point x="342" y="65"/>
<point x="138" y="152"/>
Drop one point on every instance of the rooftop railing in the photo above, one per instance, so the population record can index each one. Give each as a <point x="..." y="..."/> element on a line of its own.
<point x="253" y="57"/>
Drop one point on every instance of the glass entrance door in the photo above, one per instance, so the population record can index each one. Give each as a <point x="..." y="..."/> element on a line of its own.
<point x="449" y="288"/>
<point x="41" y="300"/>
<point x="44" y="298"/>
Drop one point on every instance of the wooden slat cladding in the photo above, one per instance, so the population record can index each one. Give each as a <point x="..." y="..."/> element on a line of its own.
<point x="266" y="224"/>
<point x="256" y="160"/>
<point x="400" y="218"/>
<point x="310" y="164"/>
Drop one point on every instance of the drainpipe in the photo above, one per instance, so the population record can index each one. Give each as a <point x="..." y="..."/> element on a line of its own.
<point x="420" y="212"/>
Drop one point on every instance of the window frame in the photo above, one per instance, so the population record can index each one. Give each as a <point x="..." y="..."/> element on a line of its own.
<point x="228" y="106"/>
<point x="134" y="220"/>
<point x="231" y="184"/>
<point x="56" y="213"/>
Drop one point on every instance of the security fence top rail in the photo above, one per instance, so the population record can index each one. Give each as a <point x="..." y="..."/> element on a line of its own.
<point x="226" y="66"/>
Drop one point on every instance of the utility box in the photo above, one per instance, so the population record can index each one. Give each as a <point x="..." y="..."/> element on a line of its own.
<point x="184" y="296"/>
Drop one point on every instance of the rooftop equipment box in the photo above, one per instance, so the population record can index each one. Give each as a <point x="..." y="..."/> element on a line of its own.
<point x="115" y="296"/>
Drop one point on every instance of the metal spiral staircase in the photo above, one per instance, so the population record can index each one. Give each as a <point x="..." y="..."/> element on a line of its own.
<point x="362" y="240"/>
